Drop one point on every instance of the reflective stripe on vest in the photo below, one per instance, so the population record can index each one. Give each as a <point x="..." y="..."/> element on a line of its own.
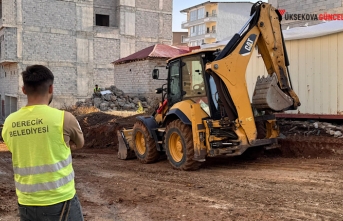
<point x="30" y="188"/>
<point x="42" y="169"/>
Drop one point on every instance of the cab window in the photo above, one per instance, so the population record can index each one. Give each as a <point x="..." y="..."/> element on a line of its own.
<point x="193" y="84"/>
<point x="174" y="94"/>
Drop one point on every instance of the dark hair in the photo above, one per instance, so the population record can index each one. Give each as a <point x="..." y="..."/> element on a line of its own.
<point x="37" y="79"/>
<point x="96" y="85"/>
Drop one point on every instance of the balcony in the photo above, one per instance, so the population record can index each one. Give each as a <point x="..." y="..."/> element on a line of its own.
<point x="211" y="34"/>
<point x="207" y="18"/>
<point x="186" y="40"/>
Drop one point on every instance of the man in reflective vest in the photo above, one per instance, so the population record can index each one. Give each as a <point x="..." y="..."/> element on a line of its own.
<point x="96" y="91"/>
<point x="39" y="138"/>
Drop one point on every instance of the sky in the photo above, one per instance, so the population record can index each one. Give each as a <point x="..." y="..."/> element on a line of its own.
<point x="179" y="5"/>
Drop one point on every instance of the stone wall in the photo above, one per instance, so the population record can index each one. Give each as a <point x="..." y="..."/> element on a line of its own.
<point x="135" y="78"/>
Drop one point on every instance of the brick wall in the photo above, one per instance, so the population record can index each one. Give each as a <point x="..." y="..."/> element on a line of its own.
<point x="143" y="44"/>
<point x="47" y="46"/>
<point x="61" y="35"/>
<point x="135" y="77"/>
<point x="151" y="4"/>
<point x="167" y="5"/>
<point x="8" y="46"/>
<point x="65" y="80"/>
<point x="106" y="50"/>
<point x="106" y="7"/>
<point x="9" y="82"/>
<point x="103" y="77"/>
<point x="146" y="24"/>
<point x="8" y="12"/>
<point x="49" y="14"/>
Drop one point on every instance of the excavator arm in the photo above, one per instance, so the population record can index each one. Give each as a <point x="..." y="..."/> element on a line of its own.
<point x="273" y="93"/>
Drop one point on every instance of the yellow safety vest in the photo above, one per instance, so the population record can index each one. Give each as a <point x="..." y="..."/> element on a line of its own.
<point x="42" y="162"/>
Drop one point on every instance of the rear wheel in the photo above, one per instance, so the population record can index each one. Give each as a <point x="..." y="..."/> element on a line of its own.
<point x="179" y="146"/>
<point x="143" y="144"/>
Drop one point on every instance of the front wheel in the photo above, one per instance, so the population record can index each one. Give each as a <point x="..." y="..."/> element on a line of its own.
<point x="179" y="146"/>
<point x="143" y="144"/>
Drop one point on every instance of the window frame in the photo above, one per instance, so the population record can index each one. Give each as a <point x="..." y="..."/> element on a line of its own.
<point x="102" y="20"/>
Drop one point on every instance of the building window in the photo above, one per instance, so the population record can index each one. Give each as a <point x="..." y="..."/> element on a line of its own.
<point x="213" y="29"/>
<point x="214" y="13"/>
<point x="194" y="15"/>
<point x="202" y="29"/>
<point x="102" y="20"/>
<point x="183" y="38"/>
<point x="201" y="13"/>
<point x="192" y="31"/>
<point x="197" y="14"/>
<point x="198" y="30"/>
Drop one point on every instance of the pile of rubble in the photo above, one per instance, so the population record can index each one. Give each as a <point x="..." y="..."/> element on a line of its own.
<point x="112" y="98"/>
<point x="311" y="127"/>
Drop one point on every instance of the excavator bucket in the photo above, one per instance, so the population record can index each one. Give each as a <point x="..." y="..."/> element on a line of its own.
<point x="268" y="95"/>
<point x="125" y="146"/>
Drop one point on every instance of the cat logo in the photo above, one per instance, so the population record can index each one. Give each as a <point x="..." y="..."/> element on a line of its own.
<point x="247" y="47"/>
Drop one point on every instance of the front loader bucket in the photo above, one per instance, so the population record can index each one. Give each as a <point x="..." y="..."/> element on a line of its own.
<point x="268" y="95"/>
<point x="125" y="150"/>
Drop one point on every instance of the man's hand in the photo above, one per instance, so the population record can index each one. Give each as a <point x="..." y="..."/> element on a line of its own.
<point x="72" y="145"/>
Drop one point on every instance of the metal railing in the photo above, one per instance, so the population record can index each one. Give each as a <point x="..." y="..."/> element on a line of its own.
<point x="205" y="16"/>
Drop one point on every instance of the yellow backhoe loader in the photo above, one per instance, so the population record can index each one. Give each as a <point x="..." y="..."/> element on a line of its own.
<point x="206" y="109"/>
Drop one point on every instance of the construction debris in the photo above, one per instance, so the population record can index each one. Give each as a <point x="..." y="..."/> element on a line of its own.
<point x="310" y="127"/>
<point x="112" y="99"/>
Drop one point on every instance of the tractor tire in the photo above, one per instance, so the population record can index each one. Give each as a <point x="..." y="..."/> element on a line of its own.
<point x="180" y="147"/>
<point x="144" y="145"/>
<point x="261" y="129"/>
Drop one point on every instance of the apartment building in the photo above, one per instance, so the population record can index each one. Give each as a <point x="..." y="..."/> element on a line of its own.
<point x="77" y="40"/>
<point x="212" y="21"/>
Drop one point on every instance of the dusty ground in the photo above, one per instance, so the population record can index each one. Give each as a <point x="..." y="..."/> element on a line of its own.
<point x="303" y="181"/>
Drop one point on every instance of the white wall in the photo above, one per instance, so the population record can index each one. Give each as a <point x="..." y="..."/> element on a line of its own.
<point x="230" y="18"/>
<point x="316" y="66"/>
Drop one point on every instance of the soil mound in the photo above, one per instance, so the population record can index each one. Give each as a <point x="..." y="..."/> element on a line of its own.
<point x="100" y="129"/>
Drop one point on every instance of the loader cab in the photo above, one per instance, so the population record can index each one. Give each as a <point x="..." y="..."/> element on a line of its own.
<point x="187" y="81"/>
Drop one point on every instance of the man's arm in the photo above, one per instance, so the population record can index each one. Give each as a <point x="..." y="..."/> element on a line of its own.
<point x="72" y="131"/>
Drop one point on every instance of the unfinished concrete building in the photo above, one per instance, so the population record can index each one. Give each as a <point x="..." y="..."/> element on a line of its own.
<point x="77" y="40"/>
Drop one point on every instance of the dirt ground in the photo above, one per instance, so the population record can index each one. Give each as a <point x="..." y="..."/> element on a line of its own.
<point x="301" y="181"/>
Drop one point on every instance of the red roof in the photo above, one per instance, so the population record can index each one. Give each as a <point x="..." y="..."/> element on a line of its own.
<point x="155" y="51"/>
